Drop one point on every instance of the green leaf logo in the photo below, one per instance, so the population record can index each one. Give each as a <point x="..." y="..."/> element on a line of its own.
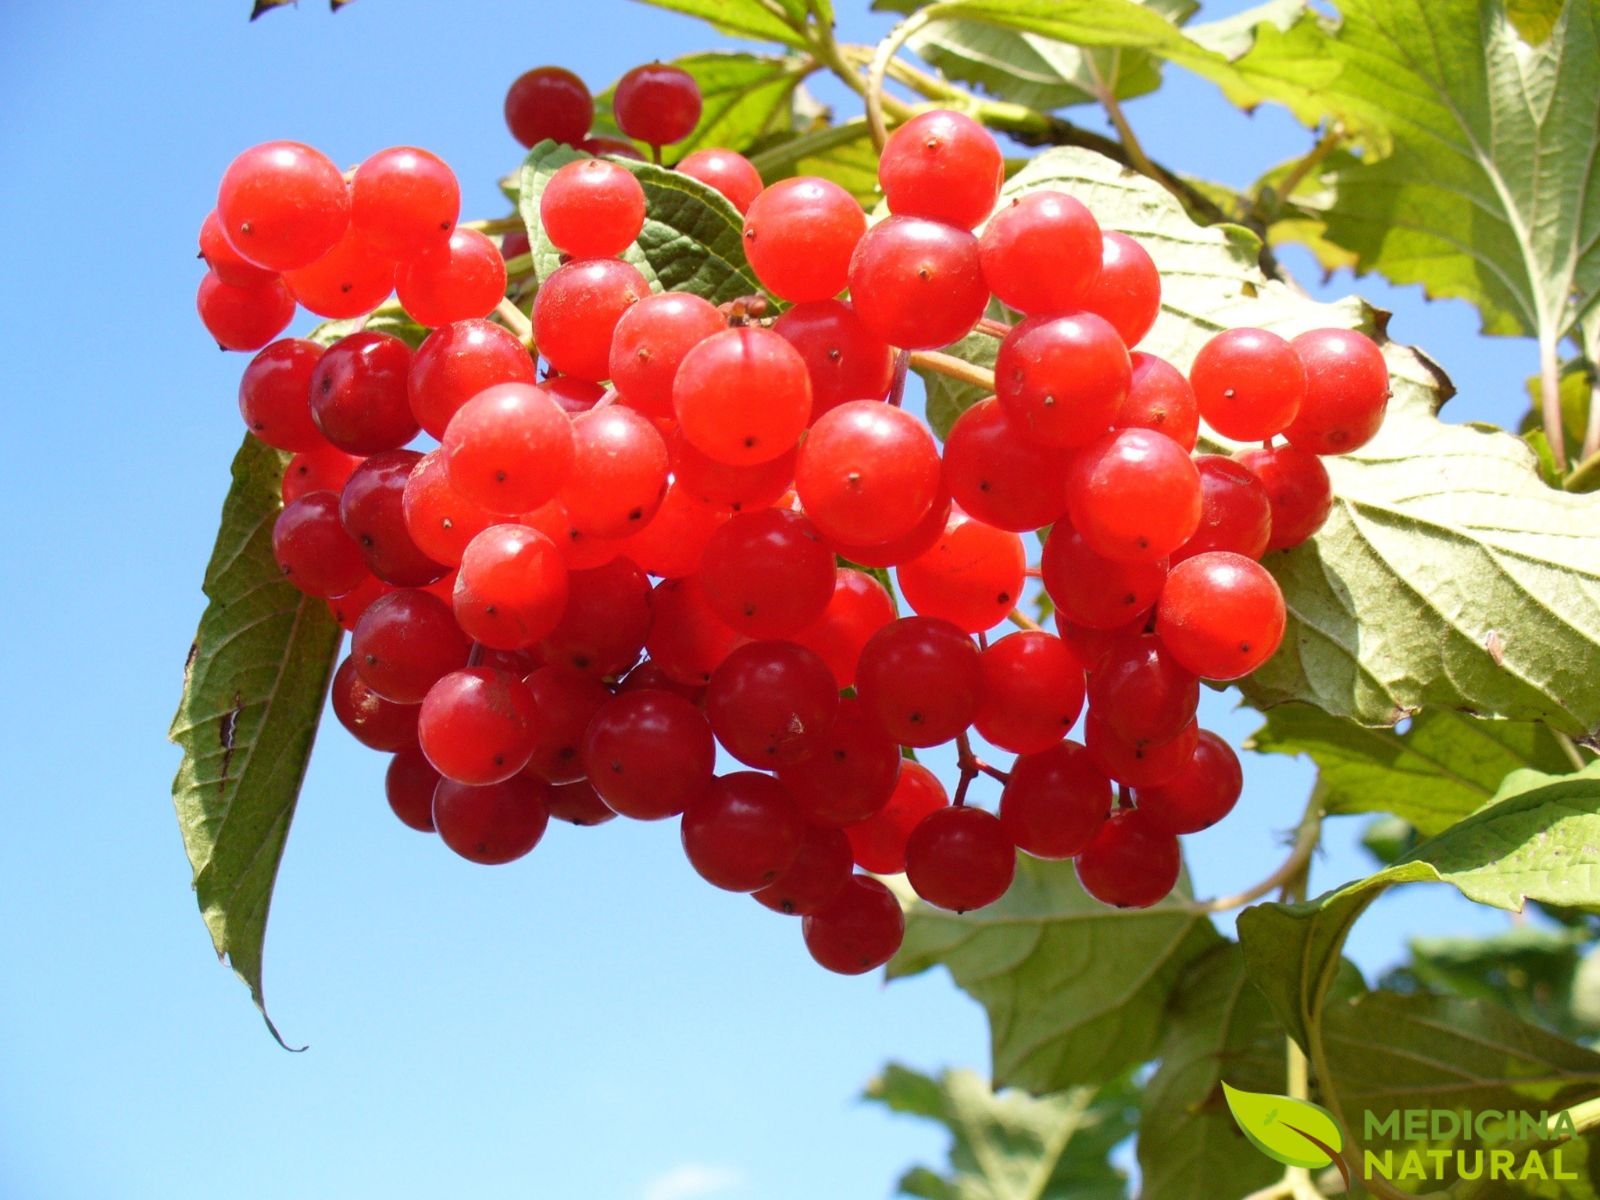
<point x="1295" y="1132"/>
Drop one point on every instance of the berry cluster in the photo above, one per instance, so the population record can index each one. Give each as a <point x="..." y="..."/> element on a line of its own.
<point x="510" y="649"/>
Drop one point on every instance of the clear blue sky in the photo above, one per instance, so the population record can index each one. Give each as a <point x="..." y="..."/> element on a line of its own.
<point x="592" y="1021"/>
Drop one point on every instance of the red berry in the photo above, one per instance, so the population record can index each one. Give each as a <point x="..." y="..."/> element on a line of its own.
<point x="858" y="930"/>
<point x="405" y="642"/>
<point x="799" y="235"/>
<point x="1135" y="764"/>
<point x="579" y="804"/>
<point x="650" y="343"/>
<point x="728" y="486"/>
<point x="1092" y="590"/>
<point x="998" y="474"/>
<point x="960" y="858"/>
<point x="226" y="263"/>
<point x="492" y="824"/>
<point x="657" y="104"/>
<point x="742" y="831"/>
<point x="1235" y="511"/>
<point x="243" y="318"/>
<point x="1063" y="380"/>
<point x="457" y="362"/>
<point x="1130" y="865"/>
<point x="672" y="544"/>
<point x="578" y="550"/>
<point x="477" y="726"/>
<point x="566" y="702"/>
<point x="919" y="678"/>
<point x="577" y="310"/>
<point x="879" y="842"/>
<point x="858" y="609"/>
<point x="512" y="588"/>
<point x="459" y="281"/>
<point x="321" y="469"/>
<point x="1200" y="795"/>
<point x="1221" y="615"/>
<point x="359" y="393"/>
<point x="1033" y="691"/>
<point x="648" y="753"/>
<point x="1347" y="391"/>
<point x="404" y="200"/>
<point x="922" y="535"/>
<point x="917" y="283"/>
<point x="1298" y="490"/>
<point x="549" y="103"/>
<point x="376" y="723"/>
<point x="592" y="208"/>
<point x="867" y="473"/>
<point x="845" y="361"/>
<point x="819" y="872"/>
<point x="771" y="703"/>
<point x="509" y="448"/>
<point x="606" y="620"/>
<point x="273" y="395"/>
<point x="1249" y="383"/>
<point x="283" y="205"/>
<point x="687" y="639"/>
<point x="742" y="396"/>
<point x="618" y="475"/>
<point x="1160" y="398"/>
<point x="1141" y="692"/>
<point x="1055" y="801"/>
<point x="944" y="166"/>
<point x="439" y="519"/>
<point x="972" y="576"/>
<point x="1127" y="291"/>
<point x="312" y="548"/>
<point x="850" y="772"/>
<point x="726" y="171"/>
<point x="351" y="279"/>
<point x="409" y="785"/>
<point x="767" y="573"/>
<point x="372" y="508"/>
<point x="610" y="147"/>
<point x="1041" y="253"/>
<point x="1134" y="495"/>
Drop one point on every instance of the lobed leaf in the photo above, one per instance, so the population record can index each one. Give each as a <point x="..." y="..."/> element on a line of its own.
<point x="759" y="20"/>
<point x="252" y="694"/>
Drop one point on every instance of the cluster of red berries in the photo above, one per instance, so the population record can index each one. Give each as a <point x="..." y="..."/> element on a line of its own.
<point x="509" y="645"/>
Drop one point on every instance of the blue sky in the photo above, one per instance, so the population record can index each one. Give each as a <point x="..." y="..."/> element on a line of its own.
<point x="592" y="1021"/>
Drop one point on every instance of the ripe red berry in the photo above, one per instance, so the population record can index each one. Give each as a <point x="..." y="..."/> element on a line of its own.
<point x="1134" y="495"/>
<point x="610" y="147"/>
<point x="771" y="703"/>
<point x="579" y="804"/>
<point x="1092" y="590"/>
<point x="1221" y="615"/>
<point x="1160" y="398"/>
<point x="512" y="587"/>
<point x="850" y="772"/>
<point x="1041" y="253"/>
<point x="566" y="702"/>
<point x="1033" y="691"/>
<point x="1001" y="476"/>
<point x="1200" y="795"/>
<point x="1298" y="489"/>
<point x="1129" y="865"/>
<point x="867" y="473"/>
<point x="724" y="486"/>
<point x="726" y="171"/>
<point x="858" y="608"/>
<point x="273" y="395"/>
<point x="1063" y="380"/>
<point x="919" y="678"/>
<point x="1141" y="692"/>
<point x="1250" y="383"/>
<point x="819" y="872"/>
<point x="960" y="858"/>
<point x="409" y="785"/>
<point x="648" y="753"/>
<point x="844" y="360"/>
<point x="917" y="284"/>
<point x="606" y="620"/>
<point x="376" y="723"/>
<point x="404" y="200"/>
<point x="578" y="550"/>
<point x="320" y="469"/>
<point x="657" y="104"/>
<point x="1235" y="511"/>
<point x="1347" y="391"/>
<point x="618" y="473"/>
<point x="439" y="519"/>
<point x="742" y="396"/>
<point x="462" y="280"/>
<point x="457" y="362"/>
<point x="742" y="831"/>
<point x="477" y="726"/>
<point x="858" y="930"/>
<point x="351" y="279"/>
<point x="549" y="102"/>
<point x="283" y="205"/>
<point x="687" y="639"/>
<point x="312" y="548"/>
<point x="576" y="312"/>
<point x="944" y="166"/>
<point x="767" y="573"/>
<point x="901" y="549"/>
<point x="650" y="343"/>
<point x="243" y="318"/>
<point x="1055" y="801"/>
<point x="1127" y="291"/>
<point x="672" y="544"/>
<point x="592" y="208"/>
<point x="359" y="393"/>
<point x="226" y="263"/>
<point x="972" y="576"/>
<point x="509" y="448"/>
<point x="492" y="824"/>
<point x="799" y="235"/>
<point x="879" y="842"/>
<point x="372" y="508"/>
<point x="405" y="642"/>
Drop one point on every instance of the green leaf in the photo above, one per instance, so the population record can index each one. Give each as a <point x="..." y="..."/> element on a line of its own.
<point x="1218" y="1026"/>
<point x="692" y="240"/>
<point x="1009" y="1145"/>
<point x="1282" y="1127"/>
<point x="1074" y="990"/>
<point x="252" y="693"/>
<point x="757" y="20"/>
<point x="1445" y="766"/>
<point x="1448" y="575"/>
<point x="1483" y="186"/>
<point x="842" y="153"/>
<point x="1538" y="840"/>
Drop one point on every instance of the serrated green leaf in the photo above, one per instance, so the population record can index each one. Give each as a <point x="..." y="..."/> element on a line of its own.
<point x="1448" y="575"/>
<point x="1483" y="184"/>
<point x="758" y="20"/>
<point x="1444" y="767"/>
<point x="1218" y="1027"/>
<point x="1538" y="840"/>
<point x="252" y="694"/>
<point x="1009" y="1145"/>
<point x="692" y="240"/>
<point x="1074" y="990"/>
